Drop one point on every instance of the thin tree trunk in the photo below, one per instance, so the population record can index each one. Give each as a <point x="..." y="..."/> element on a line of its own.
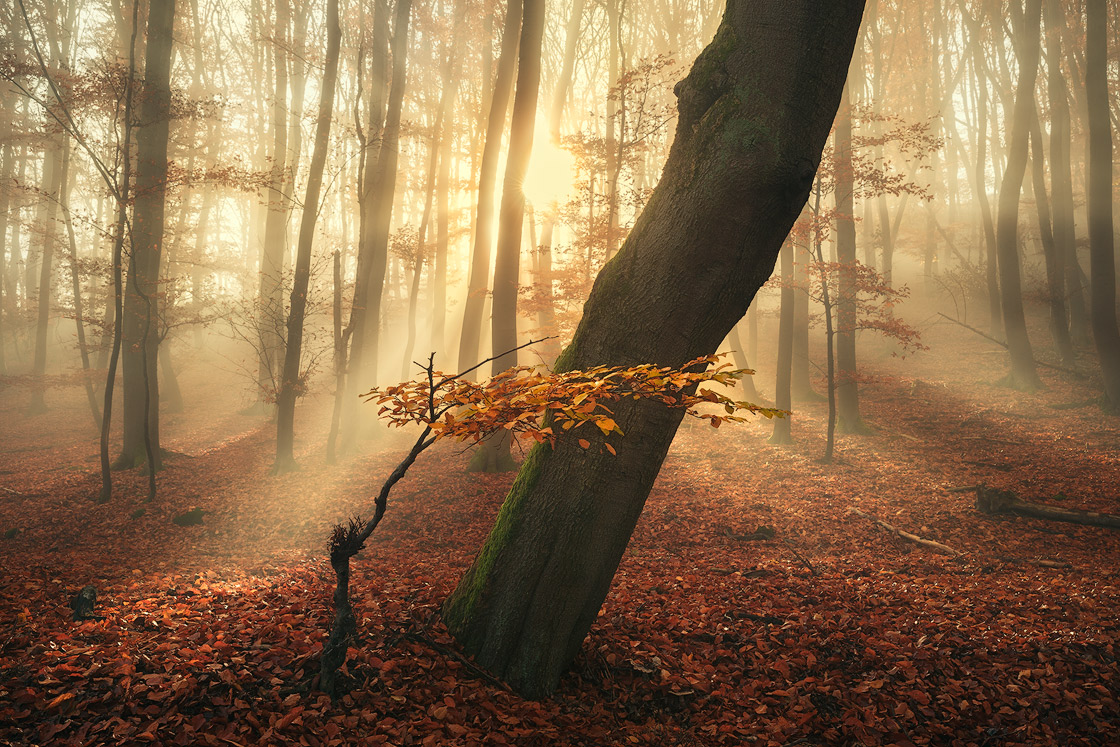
<point x="270" y="294"/>
<point x="739" y="355"/>
<point x="123" y="195"/>
<point x="783" y="433"/>
<point x="1055" y="278"/>
<point x="801" y="387"/>
<point x="141" y="346"/>
<point x="488" y="174"/>
<point x="1023" y="373"/>
<point x="76" y="289"/>
<point x="493" y="455"/>
<point x="847" y="389"/>
<point x="365" y="318"/>
<point x="448" y="93"/>
<point x="291" y="383"/>
<point x="1102" y="258"/>
<point x="53" y="167"/>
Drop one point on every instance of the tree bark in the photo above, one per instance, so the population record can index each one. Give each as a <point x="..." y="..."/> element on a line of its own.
<point x="270" y="298"/>
<point x="1102" y="258"/>
<point x="141" y="302"/>
<point x="754" y="114"/>
<point x="494" y="454"/>
<point x="379" y="187"/>
<point x="801" y="385"/>
<point x="1055" y="277"/>
<point x="994" y="501"/>
<point x="783" y="433"/>
<point x="1023" y="374"/>
<point x="1065" y="239"/>
<point x="1061" y="174"/>
<point x="847" y="389"/>
<point x="488" y="174"/>
<point x="291" y="384"/>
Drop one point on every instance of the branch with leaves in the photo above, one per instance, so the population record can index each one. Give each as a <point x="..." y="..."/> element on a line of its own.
<point x="531" y="402"/>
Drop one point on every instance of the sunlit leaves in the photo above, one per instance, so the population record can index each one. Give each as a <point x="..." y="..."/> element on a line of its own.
<point x="538" y="404"/>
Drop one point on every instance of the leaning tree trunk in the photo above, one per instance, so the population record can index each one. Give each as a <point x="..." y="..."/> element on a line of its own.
<point x="1102" y="259"/>
<point x="1023" y="374"/>
<point x="290" y="382"/>
<point x="754" y="114"/>
<point x="141" y="313"/>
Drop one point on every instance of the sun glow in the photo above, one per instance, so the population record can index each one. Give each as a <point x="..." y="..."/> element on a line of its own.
<point x="551" y="175"/>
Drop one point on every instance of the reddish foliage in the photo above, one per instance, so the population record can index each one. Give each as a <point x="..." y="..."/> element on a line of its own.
<point x="211" y="633"/>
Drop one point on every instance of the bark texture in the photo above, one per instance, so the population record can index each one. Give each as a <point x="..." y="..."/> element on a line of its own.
<point x="141" y="388"/>
<point x="754" y="114"/>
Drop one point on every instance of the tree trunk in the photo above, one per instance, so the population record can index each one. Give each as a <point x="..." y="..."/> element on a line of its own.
<point x="448" y="93"/>
<point x="1102" y="258"/>
<point x="739" y="355"/>
<point x="1055" y="277"/>
<point x="141" y="305"/>
<point x="980" y="174"/>
<point x="48" y="232"/>
<point x="754" y="114"/>
<point x="379" y="188"/>
<point x="783" y="433"/>
<point x="270" y="298"/>
<point x="5" y="266"/>
<point x="488" y="174"/>
<point x="291" y="382"/>
<point x="1061" y="175"/>
<point x="994" y="501"/>
<point x="801" y="388"/>
<point x="847" y="390"/>
<point x="1023" y="374"/>
<point x="493" y="455"/>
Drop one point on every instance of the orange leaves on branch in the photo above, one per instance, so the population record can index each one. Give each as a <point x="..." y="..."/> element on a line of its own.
<point x="540" y="404"/>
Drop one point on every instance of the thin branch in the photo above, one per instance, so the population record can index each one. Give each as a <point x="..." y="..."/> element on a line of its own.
<point x="1003" y="345"/>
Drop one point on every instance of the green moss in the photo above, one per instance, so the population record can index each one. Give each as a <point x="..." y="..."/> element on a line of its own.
<point x="465" y="597"/>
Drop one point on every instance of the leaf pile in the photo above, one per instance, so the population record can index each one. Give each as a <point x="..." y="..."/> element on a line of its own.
<point x="212" y="632"/>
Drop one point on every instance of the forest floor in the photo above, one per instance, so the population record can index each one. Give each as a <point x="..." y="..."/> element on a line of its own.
<point x="211" y="633"/>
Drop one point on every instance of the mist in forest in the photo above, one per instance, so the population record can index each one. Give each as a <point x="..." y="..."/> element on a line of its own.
<point x="251" y="249"/>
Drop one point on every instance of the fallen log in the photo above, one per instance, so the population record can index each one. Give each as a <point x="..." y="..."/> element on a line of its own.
<point x="935" y="546"/>
<point x="995" y="501"/>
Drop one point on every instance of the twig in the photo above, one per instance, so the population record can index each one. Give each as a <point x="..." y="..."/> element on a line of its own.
<point x="994" y="440"/>
<point x="935" y="546"/>
<point x="1003" y="344"/>
<point x="807" y="564"/>
<point x="477" y="366"/>
<point x="1057" y="564"/>
<point x="448" y="651"/>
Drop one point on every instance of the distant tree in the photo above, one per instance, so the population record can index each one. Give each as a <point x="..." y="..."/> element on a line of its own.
<point x="1100" y="191"/>
<point x="292" y="381"/>
<point x="1023" y="374"/>
<point x="140" y="350"/>
<point x="494" y="455"/>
